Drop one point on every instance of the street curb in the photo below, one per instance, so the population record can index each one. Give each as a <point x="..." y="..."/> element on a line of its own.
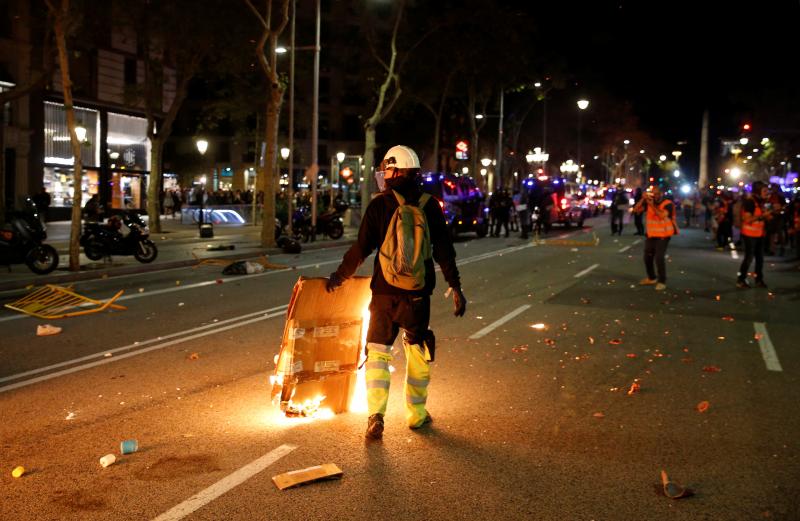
<point x="145" y="268"/>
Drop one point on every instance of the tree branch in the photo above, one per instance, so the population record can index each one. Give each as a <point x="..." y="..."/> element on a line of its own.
<point x="255" y="12"/>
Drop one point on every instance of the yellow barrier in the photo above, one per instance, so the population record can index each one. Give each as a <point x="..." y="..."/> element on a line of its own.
<point x="51" y="302"/>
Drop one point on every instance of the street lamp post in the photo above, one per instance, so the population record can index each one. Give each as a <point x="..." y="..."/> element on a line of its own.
<point x="202" y="147"/>
<point x="583" y="104"/>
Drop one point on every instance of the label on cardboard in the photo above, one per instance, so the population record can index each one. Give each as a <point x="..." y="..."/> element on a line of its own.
<point x="297" y="332"/>
<point x="326" y="365"/>
<point x="326" y="331"/>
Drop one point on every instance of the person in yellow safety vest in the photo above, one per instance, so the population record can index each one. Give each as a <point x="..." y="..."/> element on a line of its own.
<point x="393" y="308"/>
<point x="754" y="216"/>
<point x="660" y="225"/>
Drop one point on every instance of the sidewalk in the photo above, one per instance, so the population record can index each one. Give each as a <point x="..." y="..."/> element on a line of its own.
<point x="178" y="245"/>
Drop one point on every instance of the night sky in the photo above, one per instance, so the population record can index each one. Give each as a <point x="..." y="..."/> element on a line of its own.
<point x="672" y="59"/>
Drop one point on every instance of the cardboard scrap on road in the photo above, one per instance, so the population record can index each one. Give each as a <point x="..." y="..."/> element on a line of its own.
<point x="309" y="475"/>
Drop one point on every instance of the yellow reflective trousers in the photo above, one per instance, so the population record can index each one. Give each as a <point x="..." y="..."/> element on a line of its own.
<point x="418" y="375"/>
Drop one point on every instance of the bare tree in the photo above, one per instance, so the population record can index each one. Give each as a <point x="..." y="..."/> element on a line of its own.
<point x="62" y="18"/>
<point x="388" y="94"/>
<point x="265" y="180"/>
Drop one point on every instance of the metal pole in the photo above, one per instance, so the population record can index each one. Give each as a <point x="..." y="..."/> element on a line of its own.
<point x="315" y="130"/>
<point x="544" y="130"/>
<point x="499" y="166"/>
<point x="290" y="191"/>
<point x="580" y="111"/>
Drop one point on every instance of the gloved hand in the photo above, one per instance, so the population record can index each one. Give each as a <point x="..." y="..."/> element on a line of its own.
<point x="334" y="281"/>
<point x="459" y="302"/>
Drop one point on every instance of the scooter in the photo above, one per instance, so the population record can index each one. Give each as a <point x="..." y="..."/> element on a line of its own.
<point x="104" y="240"/>
<point x="21" y="241"/>
<point x="329" y="223"/>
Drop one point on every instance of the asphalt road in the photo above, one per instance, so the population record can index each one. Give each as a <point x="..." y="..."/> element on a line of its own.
<point x="528" y="424"/>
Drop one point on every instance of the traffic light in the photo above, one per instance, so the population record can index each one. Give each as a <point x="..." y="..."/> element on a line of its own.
<point x="747" y="127"/>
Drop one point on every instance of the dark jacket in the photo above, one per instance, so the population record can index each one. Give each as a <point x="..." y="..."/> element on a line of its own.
<point x="372" y="232"/>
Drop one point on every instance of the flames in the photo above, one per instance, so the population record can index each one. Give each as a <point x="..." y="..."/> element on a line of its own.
<point x="358" y="402"/>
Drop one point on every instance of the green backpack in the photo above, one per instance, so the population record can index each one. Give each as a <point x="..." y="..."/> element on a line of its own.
<point x="407" y="245"/>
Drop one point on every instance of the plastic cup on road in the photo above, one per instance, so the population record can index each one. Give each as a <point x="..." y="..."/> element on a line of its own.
<point x="107" y="460"/>
<point x="128" y="446"/>
<point x="18" y="472"/>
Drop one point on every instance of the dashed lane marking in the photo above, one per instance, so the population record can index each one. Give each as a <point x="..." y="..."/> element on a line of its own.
<point x="768" y="352"/>
<point x="499" y="322"/>
<point x="584" y="272"/>
<point x="224" y="485"/>
<point x="625" y="248"/>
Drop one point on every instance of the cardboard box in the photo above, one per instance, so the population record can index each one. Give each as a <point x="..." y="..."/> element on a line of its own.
<point x="322" y="346"/>
<point x="309" y="475"/>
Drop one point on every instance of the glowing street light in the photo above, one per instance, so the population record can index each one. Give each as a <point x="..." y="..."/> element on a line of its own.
<point x="583" y="104"/>
<point x="569" y="167"/>
<point x="202" y="146"/>
<point x="662" y="158"/>
<point x="478" y="116"/>
<point x="285" y="153"/>
<point x="676" y="173"/>
<point x="744" y="141"/>
<point x="626" y="142"/>
<point x="80" y="133"/>
<point x="281" y="50"/>
<point x="537" y="156"/>
<point x="736" y="172"/>
<point x="340" y="156"/>
<point x="486" y="161"/>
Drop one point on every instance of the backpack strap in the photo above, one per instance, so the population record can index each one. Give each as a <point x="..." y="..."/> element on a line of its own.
<point x="423" y="200"/>
<point x="400" y="199"/>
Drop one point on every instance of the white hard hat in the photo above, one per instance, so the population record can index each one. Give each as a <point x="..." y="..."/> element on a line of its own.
<point x="400" y="156"/>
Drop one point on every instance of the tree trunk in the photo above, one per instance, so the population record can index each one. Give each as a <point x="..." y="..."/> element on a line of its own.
<point x="267" y="180"/>
<point x="154" y="187"/>
<point x="369" y="164"/>
<point x="75" y="229"/>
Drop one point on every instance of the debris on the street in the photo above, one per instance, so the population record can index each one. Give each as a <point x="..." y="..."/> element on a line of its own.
<point x="70" y="416"/>
<point x="141" y="290"/>
<point x="18" y="472"/>
<point x="52" y="302"/>
<point x="599" y="415"/>
<point x="549" y="341"/>
<point x="307" y="475"/>
<point x="193" y="356"/>
<point x="128" y="446"/>
<point x="635" y="387"/>
<point x="673" y="490"/>
<point x="591" y="340"/>
<point x="47" y="330"/>
<point x="631" y="355"/>
<point x="520" y="349"/>
<point x="539" y="326"/>
<point x="219" y="281"/>
<point x="243" y="268"/>
<point x="703" y="406"/>
<point x="107" y="460"/>
<point x="180" y="304"/>
<point x="615" y="341"/>
<point x="711" y="369"/>
<point x="728" y="318"/>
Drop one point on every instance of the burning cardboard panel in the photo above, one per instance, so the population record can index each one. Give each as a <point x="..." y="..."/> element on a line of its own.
<point x="321" y="347"/>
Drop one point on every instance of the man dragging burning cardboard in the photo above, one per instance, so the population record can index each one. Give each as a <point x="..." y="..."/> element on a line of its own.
<point x="409" y="231"/>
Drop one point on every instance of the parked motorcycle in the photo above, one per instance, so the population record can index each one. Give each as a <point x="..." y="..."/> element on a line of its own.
<point x="21" y="242"/>
<point x="105" y="239"/>
<point x="329" y="223"/>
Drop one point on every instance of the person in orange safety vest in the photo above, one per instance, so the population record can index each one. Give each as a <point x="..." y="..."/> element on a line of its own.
<point x="754" y="216"/>
<point x="659" y="226"/>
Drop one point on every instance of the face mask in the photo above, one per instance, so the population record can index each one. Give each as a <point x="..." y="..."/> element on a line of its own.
<point x="398" y="181"/>
<point x="379" y="180"/>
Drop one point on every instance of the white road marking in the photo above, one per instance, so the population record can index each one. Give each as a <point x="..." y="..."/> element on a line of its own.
<point x="768" y="352"/>
<point x="108" y="360"/>
<point x="224" y="485"/>
<point x="142" y="343"/>
<point x="499" y="322"/>
<point x="625" y="248"/>
<point x="584" y="272"/>
<point x="637" y="241"/>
